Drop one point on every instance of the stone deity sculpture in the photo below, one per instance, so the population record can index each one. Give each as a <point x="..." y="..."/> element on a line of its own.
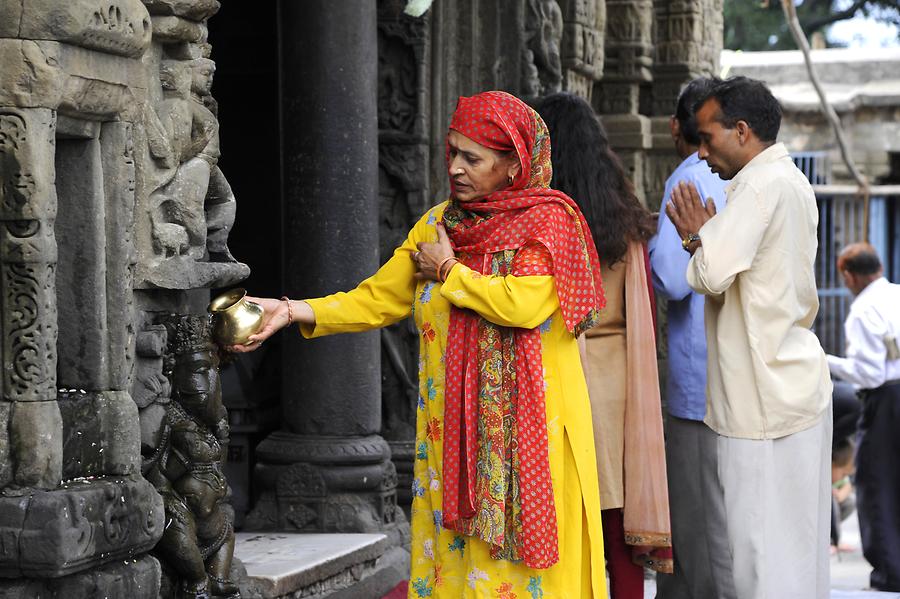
<point x="186" y="467"/>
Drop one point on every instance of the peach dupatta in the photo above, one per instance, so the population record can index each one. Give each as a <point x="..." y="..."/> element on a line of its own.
<point x="646" y="511"/>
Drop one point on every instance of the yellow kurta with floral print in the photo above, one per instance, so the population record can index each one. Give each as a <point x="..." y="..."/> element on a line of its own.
<point x="445" y="564"/>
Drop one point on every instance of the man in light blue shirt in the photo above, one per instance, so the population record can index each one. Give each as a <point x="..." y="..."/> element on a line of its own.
<point x="700" y="542"/>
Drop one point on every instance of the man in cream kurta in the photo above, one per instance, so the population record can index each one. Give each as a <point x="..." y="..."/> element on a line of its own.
<point x="768" y="387"/>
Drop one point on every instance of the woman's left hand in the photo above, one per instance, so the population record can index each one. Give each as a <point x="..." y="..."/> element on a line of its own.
<point x="431" y="255"/>
<point x="276" y="316"/>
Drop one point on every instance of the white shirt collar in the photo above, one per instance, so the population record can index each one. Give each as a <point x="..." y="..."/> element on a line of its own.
<point x="776" y="151"/>
<point x="871" y="288"/>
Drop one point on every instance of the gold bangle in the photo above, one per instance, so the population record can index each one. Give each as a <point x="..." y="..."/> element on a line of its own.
<point x="290" y="311"/>
<point x="450" y="266"/>
<point x="441" y="266"/>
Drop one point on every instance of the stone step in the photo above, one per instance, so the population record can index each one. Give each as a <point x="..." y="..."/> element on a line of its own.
<point x="319" y="565"/>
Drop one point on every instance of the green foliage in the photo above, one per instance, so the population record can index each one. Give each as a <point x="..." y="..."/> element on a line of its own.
<point x="753" y="25"/>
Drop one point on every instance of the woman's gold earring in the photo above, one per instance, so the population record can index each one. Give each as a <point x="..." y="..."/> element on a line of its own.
<point x="509" y="179"/>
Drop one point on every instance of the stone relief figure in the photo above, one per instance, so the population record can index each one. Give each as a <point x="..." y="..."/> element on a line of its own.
<point x="543" y="34"/>
<point x="179" y="221"/>
<point x="149" y="384"/>
<point x="186" y="466"/>
<point x="220" y="206"/>
<point x="193" y="207"/>
<point x="17" y="184"/>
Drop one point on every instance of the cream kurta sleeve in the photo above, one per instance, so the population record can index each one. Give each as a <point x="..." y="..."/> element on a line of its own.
<point x="730" y="241"/>
<point x="509" y="301"/>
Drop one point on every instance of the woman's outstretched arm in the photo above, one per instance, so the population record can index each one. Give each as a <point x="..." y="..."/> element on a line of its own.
<point x="384" y="298"/>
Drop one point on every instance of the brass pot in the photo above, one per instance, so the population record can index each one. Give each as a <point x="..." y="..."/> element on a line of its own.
<point x="234" y="317"/>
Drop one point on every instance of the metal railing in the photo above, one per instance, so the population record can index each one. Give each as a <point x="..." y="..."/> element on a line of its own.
<point x="815" y="165"/>
<point x="841" y="223"/>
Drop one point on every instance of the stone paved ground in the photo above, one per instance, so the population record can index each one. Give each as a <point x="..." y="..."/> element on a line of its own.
<point x="849" y="574"/>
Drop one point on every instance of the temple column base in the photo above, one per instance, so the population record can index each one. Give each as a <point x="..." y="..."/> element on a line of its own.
<point x="326" y="484"/>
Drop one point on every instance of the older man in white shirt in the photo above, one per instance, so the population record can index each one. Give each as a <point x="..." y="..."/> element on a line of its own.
<point x="768" y="389"/>
<point x="872" y="365"/>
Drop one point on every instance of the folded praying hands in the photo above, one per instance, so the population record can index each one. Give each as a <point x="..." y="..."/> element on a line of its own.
<point x="688" y="213"/>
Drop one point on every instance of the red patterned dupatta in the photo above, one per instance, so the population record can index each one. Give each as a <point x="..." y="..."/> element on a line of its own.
<point x="496" y="466"/>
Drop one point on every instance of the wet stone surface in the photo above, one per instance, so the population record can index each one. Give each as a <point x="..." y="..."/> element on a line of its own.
<point x="87" y="522"/>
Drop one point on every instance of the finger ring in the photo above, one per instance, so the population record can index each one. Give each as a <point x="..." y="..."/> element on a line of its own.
<point x="416" y="255"/>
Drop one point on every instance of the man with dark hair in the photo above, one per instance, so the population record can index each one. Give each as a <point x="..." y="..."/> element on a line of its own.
<point x="872" y="365"/>
<point x="768" y="389"/>
<point x="744" y="99"/>
<point x="700" y="546"/>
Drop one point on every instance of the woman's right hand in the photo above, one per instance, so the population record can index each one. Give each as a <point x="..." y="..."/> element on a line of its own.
<point x="275" y="317"/>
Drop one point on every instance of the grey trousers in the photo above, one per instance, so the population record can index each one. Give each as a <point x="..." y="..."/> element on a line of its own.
<point x="778" y="512"/>
<point x="699" y="533"/>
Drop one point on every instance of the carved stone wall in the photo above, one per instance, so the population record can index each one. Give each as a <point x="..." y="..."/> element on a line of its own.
<point x="403" y="184"/>
<point x="688" y="40"/>
<point x="582" y="45"/>
<point x="628" y="69"/>
<point x="111" y="208"/>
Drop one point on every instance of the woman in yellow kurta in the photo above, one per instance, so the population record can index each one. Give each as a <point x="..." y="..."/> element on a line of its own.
<point x="521" y="518"/>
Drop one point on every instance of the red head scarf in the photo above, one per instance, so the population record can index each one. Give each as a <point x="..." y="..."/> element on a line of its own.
<point x="497" y="482"/>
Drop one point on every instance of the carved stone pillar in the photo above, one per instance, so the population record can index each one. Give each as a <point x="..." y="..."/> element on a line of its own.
<point x="403" y="183"/>
<point x="50" y="527"/>
<point x="679" y="31"/>
<point x="688" y="42"/>
<point x="329" y="469"/>
<point x="27" y="264"/>
<point x="582" y="45"/>
<point x="117" y="150"/>
<point x="629" y="45"/>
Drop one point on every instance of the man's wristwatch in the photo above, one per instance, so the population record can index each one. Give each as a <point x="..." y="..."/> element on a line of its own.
<point x="688" y="240"/>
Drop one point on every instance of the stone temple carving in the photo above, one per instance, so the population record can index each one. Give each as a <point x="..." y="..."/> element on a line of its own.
<point x="112" y="211"/>
<point x="191" y="205"/>
<point x="543" y="34"/>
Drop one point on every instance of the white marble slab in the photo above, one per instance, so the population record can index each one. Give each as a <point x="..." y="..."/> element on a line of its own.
<point x="280" y="563"/>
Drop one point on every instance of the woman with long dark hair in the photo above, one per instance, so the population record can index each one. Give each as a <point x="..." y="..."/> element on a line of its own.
<point x="619" y="353"/>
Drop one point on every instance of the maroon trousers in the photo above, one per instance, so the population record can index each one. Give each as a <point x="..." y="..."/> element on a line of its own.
<point x="626" y="579"/>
